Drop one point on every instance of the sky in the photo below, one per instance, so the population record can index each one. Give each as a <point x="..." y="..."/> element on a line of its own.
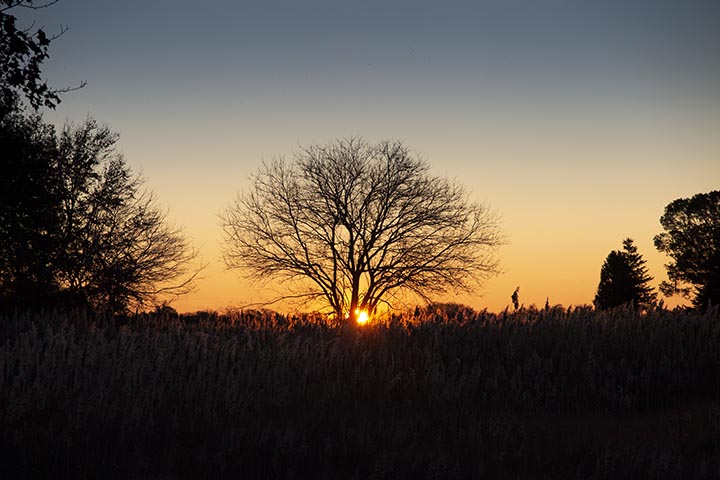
<point x="577" y="121"/>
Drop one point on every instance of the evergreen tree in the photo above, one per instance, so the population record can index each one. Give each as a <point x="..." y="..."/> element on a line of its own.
<point x="624" y="278"/>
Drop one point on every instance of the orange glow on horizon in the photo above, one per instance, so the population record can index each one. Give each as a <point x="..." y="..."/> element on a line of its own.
<point x="361" y="316"/>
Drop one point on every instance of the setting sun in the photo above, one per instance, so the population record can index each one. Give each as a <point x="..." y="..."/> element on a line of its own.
<point x="362" y="317"/>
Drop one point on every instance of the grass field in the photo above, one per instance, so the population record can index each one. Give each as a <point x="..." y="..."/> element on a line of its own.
<point x="449" y="393"/>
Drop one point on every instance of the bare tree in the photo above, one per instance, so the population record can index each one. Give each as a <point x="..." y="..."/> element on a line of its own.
<point x="357" y="224"/>
<point x="117" y="248"/>
<point x="77" y="227"/>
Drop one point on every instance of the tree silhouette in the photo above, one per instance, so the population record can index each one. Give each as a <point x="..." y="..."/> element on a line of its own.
<point x="355" y="224"/>
<point x="29" y="213"/>
<point x="624" y="279"/>
<point x="77" y="226"/>
<point x="22" y="52"/>
<point x="692" y="240"/>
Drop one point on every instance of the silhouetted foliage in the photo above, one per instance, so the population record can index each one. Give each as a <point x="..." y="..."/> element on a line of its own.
<point x="22" y="52"/>
<point x="76" y="225"/>
<point x="692" y="239"/>
<point x="357" y="223"/>
<point x="624" y="279"/>
<point x="30" y="219"/>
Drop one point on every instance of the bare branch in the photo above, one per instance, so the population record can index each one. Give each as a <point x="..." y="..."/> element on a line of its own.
<point x="29" y="5"/>
<point x="360" y="222"/>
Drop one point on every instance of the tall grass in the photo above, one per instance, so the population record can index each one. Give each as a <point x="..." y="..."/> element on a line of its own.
<point x="549" y="393"/>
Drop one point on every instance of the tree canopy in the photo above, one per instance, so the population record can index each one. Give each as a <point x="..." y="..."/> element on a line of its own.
<point x="76" y="226"/>
<point x="355" y="224"/>
<point x="692" y="240"/>
<point x="29" y="221"/>
<point x="624" y="279"/>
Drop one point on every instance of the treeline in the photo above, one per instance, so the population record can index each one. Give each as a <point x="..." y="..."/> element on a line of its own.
<point x="444" y="393"/>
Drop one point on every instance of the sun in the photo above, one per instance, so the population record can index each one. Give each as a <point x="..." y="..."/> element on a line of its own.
<point x="361" y="316"/>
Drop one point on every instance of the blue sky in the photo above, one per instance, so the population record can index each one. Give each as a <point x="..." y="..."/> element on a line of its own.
<point x="577" y="120"/>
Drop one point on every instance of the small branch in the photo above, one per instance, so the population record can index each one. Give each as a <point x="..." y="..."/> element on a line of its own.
<point x="30" y="6"/>
<point x="83" y="84"/>
<point x="279" y="299"/>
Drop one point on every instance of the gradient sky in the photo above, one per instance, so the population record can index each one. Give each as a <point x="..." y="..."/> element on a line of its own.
<point x="577" y="120"/>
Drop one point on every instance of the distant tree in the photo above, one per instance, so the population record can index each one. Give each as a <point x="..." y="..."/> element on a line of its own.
<point x="692" y="240"/>
<point x="624" y="279"/>
<point x="22" y="52"/>
<point x="78" y="226"/>
<point x="355" y="223"/>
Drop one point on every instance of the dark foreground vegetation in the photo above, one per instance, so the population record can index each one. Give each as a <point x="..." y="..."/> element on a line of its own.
<point x="545" y="393"/>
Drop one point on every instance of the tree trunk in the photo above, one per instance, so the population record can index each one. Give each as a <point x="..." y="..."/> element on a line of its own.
<point x="339" y="314"/>
<point x="354" y="299"/>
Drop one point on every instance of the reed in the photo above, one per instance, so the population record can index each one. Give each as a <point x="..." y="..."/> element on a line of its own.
<point x="448" y="393"/>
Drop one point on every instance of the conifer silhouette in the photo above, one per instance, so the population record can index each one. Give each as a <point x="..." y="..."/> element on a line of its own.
<point x="624" y="279"/>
